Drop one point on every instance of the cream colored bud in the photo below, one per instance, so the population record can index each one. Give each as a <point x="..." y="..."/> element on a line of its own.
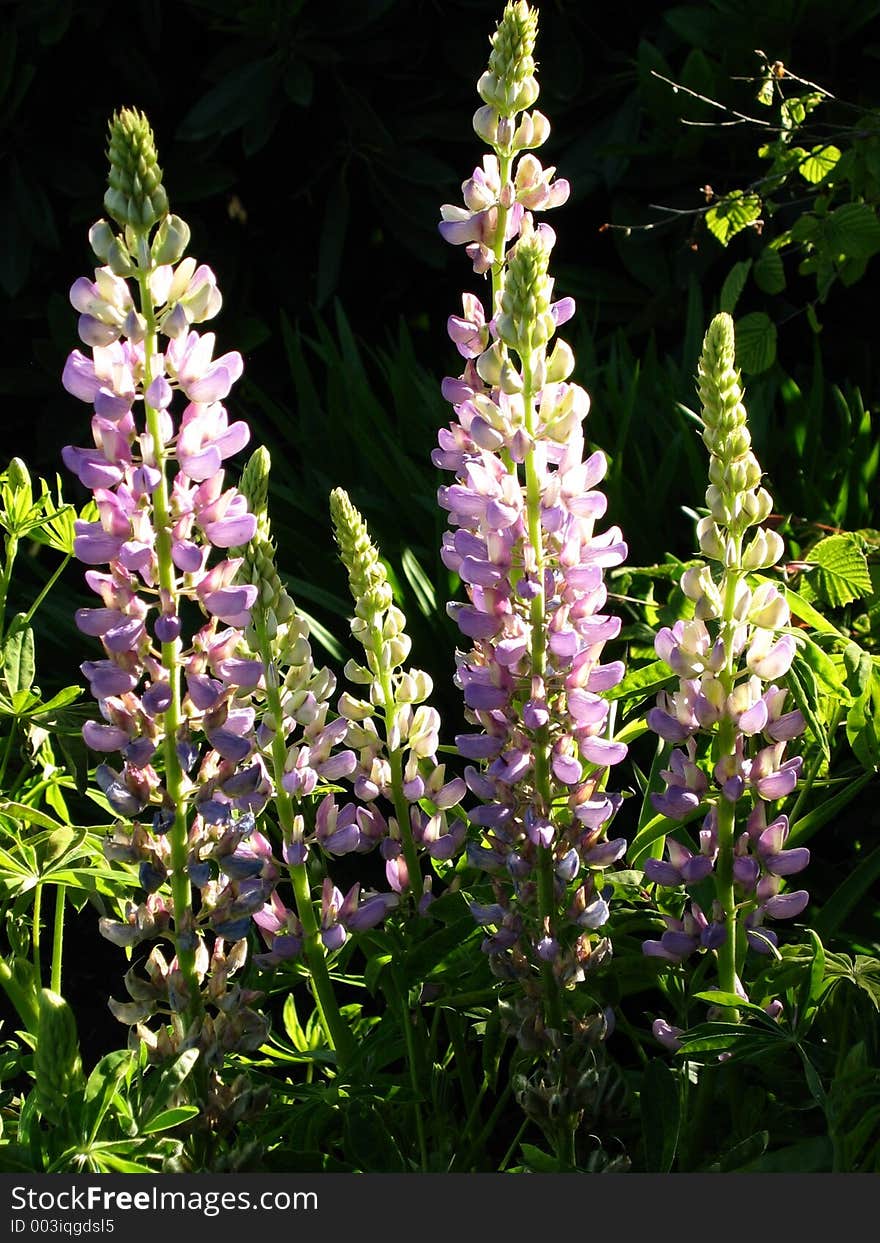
<point x="742" y="601"/>
<point x="395" y="623"/>
<point x="769" y="608"/>
<point x="560" y="364"/>
<point x="354" y="709"/>
<point x="757" y="506"/>
<point x="710" y="539"/>
<point x="357" y="673"/>
<point x="489" y="364"/>
<point x="171" y="240"/>
<point x="399" y="649"/>
<point x="486" y="124"/>
<point x="101" y="239"/>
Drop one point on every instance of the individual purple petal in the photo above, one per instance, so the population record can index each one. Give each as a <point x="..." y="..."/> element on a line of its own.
<point x="159" y="394"/>
<point x="140" y="752"/>
<point x="157" y="698"/>
<point x="606" y="853"/>
<point x="102" y="737"/>
<point x="787" y="905"/>
<point x="232" y="532"/>
<point x="662" y="873"/>
<point x="666" y="1035"/>
<point x="231" y="604"/>
<point x="787" y="862"/>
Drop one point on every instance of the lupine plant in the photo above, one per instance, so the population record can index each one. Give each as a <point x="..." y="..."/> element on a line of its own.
<point x="351" y="944"/>
<point x="729" y="658"/>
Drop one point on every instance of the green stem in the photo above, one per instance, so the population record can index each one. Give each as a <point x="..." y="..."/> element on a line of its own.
<point x="508" y="1156"/>
<point x="58" y="937"/>
<point x="36" y="932"/>
<point x="413" y="1060"/>
<point x="726" y="746"/>
<point x="178" y="835"/>
<point x="46" y="589"/>
<point x="538" y="649"/>
<point x="6" y="578"/>
<point x="7" y="751"/>
<point x="336" y="1029"/>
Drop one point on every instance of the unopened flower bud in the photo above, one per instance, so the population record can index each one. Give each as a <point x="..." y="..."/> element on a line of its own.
<point x="135" y="196"/>
<point x="171" y="240"/>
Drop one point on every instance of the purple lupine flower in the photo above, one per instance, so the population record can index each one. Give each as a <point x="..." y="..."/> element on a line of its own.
<point x="728" y="658"/>
<point x="522" y="510"/>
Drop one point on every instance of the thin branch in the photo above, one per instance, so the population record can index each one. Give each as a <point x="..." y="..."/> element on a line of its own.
<point x="677" y="86"/>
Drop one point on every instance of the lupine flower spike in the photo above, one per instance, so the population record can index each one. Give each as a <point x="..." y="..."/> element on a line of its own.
<point x="523" y="511"/>
<point x="729" y="658"/>
<point x="176" y="707"/>
<point x="394" y="731"/>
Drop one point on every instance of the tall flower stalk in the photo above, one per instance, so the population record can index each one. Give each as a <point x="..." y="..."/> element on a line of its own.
<point x="523" y="510"/>
<point x="729" y="659"/>
<point x="175" y="704"/>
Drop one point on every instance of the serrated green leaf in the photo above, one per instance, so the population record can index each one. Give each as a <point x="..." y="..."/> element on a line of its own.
<point x="841" y="573"/>
<point x="755" y="342"/>
<point x="735" y="212"/>
<point x="853" y="230"/>
<point x="734" y="283"/>
<point x="769" y="274"/>
<point x="819" y="163"/>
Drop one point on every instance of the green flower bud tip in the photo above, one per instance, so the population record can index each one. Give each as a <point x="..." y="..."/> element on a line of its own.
<point x="135" y="197"/>
<point x="509" y="84"/>
<point x="513" y="43"/>
<point x="525" y="303"/>
<point x="254" y="485"/>
<point x="367" y="576"/>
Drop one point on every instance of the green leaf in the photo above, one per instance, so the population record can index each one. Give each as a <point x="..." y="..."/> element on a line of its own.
<point x="827" y="671"/>
<point x="733" y="286"/>
<point x="769" y="274"/>
<point x="18" y="660"/>
<point x="819" y="163"/>
<point x="423" y="588"/>
<point x="660" y="1108"/>
<point x="735" y="212"/>
<point x="170" y="1118"/>
<point x="747" y="1150"/>
<point x="853" y="230"/>
<point x="841" y="573"/>
<point x="755" y="342"/>
<point x="805" y="691"/>
<point x="29" y="815"/>
<point x="805" y="612"/>
<point x="538" y="1161"/>
<point x="644" y="681"/>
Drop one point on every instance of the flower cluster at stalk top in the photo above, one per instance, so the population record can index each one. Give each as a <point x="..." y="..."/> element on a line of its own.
<point x="523" y="509"/>
<point x="730" y="658"/>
